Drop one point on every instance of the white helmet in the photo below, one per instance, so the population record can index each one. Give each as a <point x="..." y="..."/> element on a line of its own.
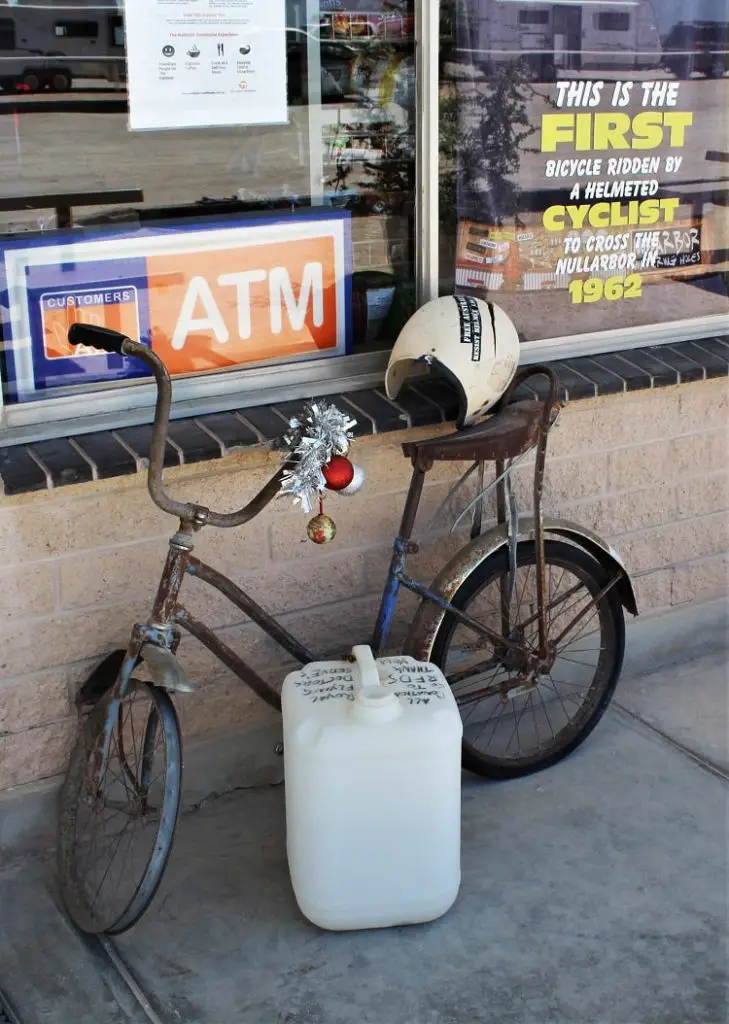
<point x="473" y="342"/>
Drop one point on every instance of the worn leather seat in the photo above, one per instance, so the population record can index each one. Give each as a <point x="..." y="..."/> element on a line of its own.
<point x="504" y="435"/>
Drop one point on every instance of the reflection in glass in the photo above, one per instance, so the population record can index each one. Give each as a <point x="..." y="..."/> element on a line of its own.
<point x="349" y="143"/>
<point x="584" y="152"/>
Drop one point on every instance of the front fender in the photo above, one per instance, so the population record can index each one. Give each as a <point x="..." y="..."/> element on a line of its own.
<point x="165" y="669"/>
<point x="430" y="616"/>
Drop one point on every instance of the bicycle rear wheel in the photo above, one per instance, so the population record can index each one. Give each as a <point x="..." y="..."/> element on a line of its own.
<point x="116" y="830"/>
<point x="514" y="726"/>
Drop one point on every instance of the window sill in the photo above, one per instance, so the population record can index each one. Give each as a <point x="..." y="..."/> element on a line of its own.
<point x="110" y="453"/>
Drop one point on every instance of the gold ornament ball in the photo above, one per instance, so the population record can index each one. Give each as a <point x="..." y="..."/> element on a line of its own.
<point x="321" y="529"/>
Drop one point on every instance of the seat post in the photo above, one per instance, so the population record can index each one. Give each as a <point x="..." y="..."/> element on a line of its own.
<point x="412" y="502"/>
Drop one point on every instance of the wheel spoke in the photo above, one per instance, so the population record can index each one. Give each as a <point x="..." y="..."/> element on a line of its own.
<point x="496" y="715"/>
<point x="574" y="661"/>
<point x="108" y="868"/>
<point x="108" y="864"/>
<point x="559" y="697"/>
<point x="585" y="622"/>
<point x="517" y="711"/>
<point x="546" y="713"/>
<point x="517" y="721"/>
<point x="551" y="603"/>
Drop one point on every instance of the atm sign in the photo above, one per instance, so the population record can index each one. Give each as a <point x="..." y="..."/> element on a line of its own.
<point x="204" y="296"/>
<point x="116" y="308"/>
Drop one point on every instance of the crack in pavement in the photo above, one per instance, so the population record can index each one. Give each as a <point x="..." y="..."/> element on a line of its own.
<point x="700" y="760"/>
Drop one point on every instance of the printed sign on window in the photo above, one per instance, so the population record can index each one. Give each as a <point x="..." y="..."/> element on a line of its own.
<point x="116" y="308"/>
<point x="203" y="297"/>
<point x="199" y="63"/>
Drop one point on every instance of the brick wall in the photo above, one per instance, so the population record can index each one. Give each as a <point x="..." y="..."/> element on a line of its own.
<point x="646" y="469"/>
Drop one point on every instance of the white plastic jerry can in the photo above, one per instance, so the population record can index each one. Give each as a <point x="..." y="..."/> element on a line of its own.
<point x="372" y="759"/>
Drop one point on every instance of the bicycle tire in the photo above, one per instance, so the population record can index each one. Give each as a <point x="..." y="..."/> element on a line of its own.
<point x="584" y="567"/>
<point x="73" y="794"/>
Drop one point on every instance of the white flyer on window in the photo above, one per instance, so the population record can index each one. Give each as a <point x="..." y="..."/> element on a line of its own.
<point x="205" y="63"/>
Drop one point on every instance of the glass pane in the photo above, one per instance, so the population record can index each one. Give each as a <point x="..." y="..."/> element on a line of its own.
<point x="240" y="245"/>
<point x="585" y="160"/>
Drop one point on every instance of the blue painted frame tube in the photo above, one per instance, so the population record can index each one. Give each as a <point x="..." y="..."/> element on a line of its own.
<point x="400" y="550"/>
<point x="388" y="603"/>
<point x="397" y="578"/>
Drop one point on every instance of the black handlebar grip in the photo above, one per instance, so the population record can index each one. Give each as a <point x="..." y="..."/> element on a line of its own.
<point x="96" y="337"/>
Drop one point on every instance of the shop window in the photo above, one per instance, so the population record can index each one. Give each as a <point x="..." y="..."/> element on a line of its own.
<point x="77" y="29"/>
<point x="557" y="200"/>
<point x="612" y="21"/>
<point x="282" y="246"/>
<point x="580" y="188"/>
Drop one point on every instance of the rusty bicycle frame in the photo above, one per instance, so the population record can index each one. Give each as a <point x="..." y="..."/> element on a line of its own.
<point x="514" y="430"/>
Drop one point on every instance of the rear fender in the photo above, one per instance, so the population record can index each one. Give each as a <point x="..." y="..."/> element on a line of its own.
<point x="430" y="616"/>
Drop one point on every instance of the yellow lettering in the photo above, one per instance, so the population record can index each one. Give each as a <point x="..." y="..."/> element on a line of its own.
<point x="553" y="218"/>
<point x="650" y="212"/>
<point x="600" y="215"/>
<point x="669" y="207"/>
<point x="582" y="132"/>
<point x="611" y="215"/>
<point x="648" y="129"/>
<point x="614" y="130"/>
<point x="677" y="121"/>
<point x="556" y="129"/>
<point x="617" y="217"/>
<point x="610" y="131"/>
<point x="577" y="214"/>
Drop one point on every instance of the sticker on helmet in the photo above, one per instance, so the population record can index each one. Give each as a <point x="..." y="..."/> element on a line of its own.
<point x="469" y="316"/>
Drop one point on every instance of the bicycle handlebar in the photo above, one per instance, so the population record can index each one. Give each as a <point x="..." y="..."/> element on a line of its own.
<point x="112" y="341"/>
<point x="96" y="337"/>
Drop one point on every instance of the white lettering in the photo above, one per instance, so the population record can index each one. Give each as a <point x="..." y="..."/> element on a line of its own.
<point x="199" y="291"/>
<point x="242" y="280"/>
<point x="282" y="293"/>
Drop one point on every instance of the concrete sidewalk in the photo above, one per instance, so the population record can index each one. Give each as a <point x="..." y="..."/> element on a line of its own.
<point x="594" y="893"/>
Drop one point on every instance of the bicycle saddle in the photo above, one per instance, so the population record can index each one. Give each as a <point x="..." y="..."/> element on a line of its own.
<point x="504" y="435"/>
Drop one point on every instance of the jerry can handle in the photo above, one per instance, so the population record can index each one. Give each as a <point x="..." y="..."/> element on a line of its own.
<point x="367" y="674"/>
<point x="373" y="702"/>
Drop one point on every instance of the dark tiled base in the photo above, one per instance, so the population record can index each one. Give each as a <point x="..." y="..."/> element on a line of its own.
<point x="421" y="403"/>
<point x="63" y="460"/>
<point x="19" y="472"/>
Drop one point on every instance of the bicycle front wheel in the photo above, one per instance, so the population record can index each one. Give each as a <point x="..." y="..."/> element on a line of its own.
<point x="516" y="723"/>
<point x="117" y="821"/>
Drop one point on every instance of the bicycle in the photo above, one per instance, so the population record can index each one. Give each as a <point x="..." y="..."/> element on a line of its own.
<point x="501" y="619"/>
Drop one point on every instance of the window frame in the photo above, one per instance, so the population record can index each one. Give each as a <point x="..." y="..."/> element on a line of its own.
<point x="132" y="403"/>
<point x="129" y="403"/>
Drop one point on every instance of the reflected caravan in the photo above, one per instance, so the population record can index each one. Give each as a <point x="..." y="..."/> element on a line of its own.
<point x="553" y="37"/>
<point x="48" y="46"/>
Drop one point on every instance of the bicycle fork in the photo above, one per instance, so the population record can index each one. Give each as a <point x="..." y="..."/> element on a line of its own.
<point x="157" y="637"/>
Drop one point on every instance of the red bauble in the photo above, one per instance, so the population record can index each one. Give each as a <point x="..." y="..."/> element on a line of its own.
<point x="338" y="473"/>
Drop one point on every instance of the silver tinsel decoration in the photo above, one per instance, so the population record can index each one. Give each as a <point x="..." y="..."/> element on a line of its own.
<point x="321" y="432"/>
